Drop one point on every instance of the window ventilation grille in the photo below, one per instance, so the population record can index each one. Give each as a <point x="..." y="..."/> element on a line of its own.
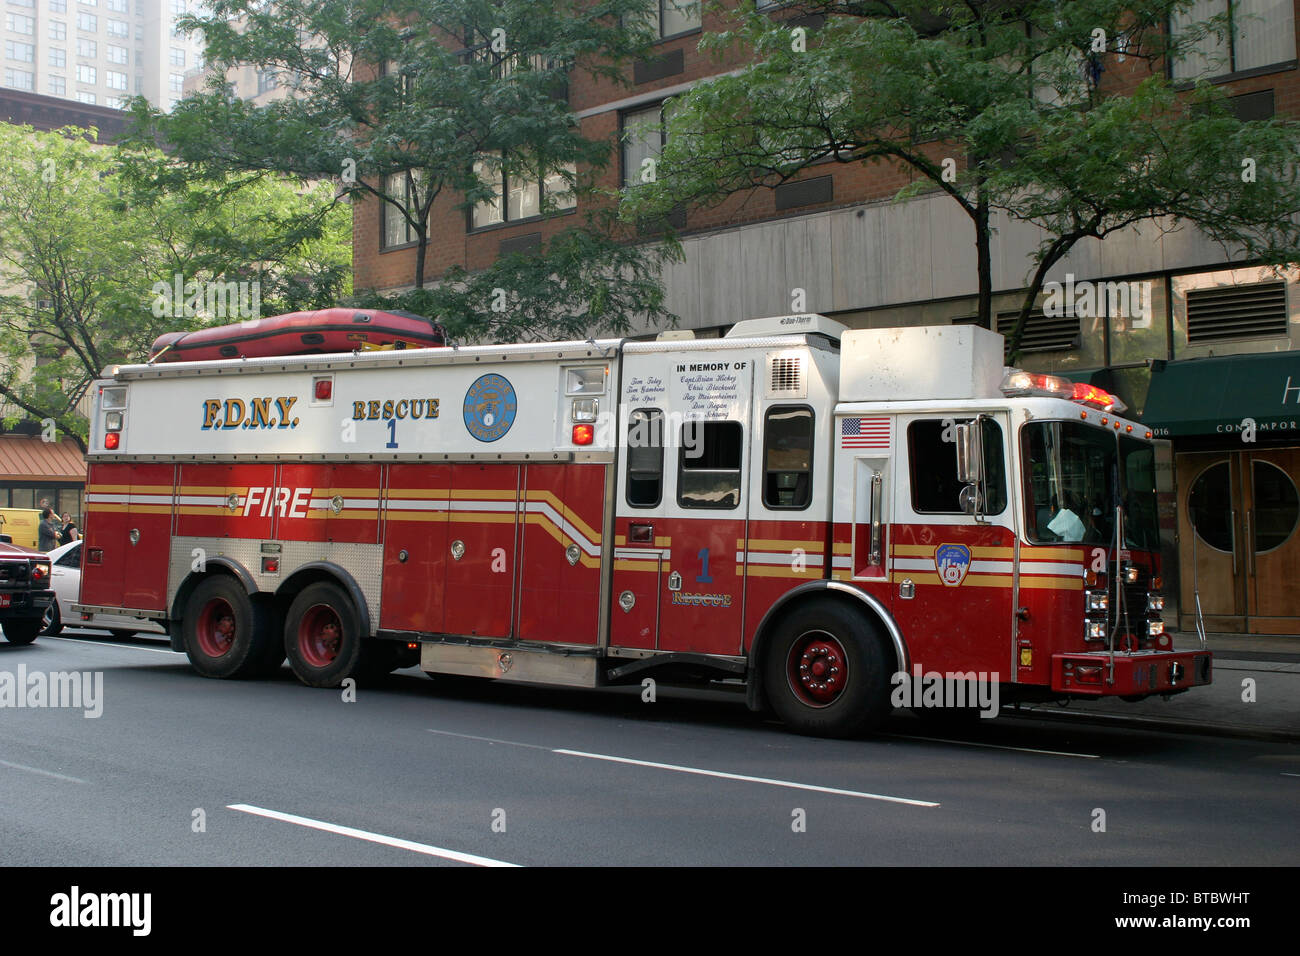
<point x="1236" y="312"/>
<point x="786" y="377"/>
<point x="1043" y="333"/>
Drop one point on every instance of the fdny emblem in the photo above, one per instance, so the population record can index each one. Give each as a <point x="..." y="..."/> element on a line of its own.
<point x="952" y="562"/>
<point x="490" y="407"/>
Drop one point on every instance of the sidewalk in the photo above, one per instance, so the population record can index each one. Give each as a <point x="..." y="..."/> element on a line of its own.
<point x="1272" y="663"/>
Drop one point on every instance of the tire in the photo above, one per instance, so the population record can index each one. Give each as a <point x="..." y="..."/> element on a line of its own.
<point x="52" y="622"/>
<point x="246" y="648"/>
<point x="814" y="648"/>
<point x="23" y="630"/>
<point x="323" y="639"/>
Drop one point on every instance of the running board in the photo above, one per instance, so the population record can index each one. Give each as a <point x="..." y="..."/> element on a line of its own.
<point x="510" y="664"/>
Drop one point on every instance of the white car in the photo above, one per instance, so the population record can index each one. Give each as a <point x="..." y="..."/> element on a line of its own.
<point x="66" y="574"/>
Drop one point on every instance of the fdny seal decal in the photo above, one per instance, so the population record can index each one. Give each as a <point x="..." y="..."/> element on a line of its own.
<point x="490" y="407"/>
<point x="952" y="562"/>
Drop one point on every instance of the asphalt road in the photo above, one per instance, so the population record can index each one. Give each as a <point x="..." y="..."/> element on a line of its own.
<point x="457" y="771"/>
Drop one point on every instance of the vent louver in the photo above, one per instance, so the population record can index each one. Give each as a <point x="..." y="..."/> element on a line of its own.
<point x="1043" y="333"/>
<point x="1233" y="312"/>
<point x="785" y="377"/>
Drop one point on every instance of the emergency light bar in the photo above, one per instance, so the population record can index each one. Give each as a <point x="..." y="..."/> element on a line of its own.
<point x="1017" y="382"/>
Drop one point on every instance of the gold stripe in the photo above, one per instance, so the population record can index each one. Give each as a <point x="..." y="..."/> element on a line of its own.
<point x="974" y="580"/>
<point x="1067" y="554"/>
<point x="486" y="494"/>
<point x="222" y="490"/>
<point x="122" y="489"/>
<point x="569" y="514"/>
<point x="417" y="516"/>
<point x="780" y="571"/>
<point x="1059" y="584"/>
<point x="481" y="517"/>
<point x="430" y="493"/>
<point x="208" y="510"/>
<point x="927" y="550"/>
<point x="359" y="514"/>
<point x="777" y="544"/>
<point x="623" y="564"/>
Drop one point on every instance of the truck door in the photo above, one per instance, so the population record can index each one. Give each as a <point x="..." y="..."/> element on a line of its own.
<point x="481" y="566"/>
<point x="128" y="535"/>
<point x="415" y="547"/>
<point x="952" y="576"/>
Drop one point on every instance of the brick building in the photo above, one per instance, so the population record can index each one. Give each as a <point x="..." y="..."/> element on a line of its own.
<point x="1215" y="346"/>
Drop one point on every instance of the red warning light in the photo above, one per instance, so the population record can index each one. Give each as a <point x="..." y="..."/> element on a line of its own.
<point x="324" y="389"/>
<point x="584" y="434"/>
<point x="111" y="440"/>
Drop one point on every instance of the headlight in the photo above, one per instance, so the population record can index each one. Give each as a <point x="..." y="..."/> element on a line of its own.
<point x="1155" y="628"/>
<point x="1094" y="630"/>
<point x="1096" y="601"/>
<point x="1155" y="602"/>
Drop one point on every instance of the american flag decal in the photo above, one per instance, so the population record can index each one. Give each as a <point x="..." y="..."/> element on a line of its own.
<point x="865" y="433"/>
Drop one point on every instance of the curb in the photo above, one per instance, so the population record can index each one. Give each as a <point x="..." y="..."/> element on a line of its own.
<point x="1158" y="723"/>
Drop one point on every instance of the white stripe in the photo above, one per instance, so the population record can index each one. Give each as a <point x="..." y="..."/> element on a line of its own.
<point x="38" y="770"/>
<point x="1049" y="567"/>
<point x="972" y="743"/>
<point x="366" y="835"/>
<point x="544" y="508"/>
<point x="747" y="779"/>
<point x="779" y="557"/>
<point x="642" y="554"/>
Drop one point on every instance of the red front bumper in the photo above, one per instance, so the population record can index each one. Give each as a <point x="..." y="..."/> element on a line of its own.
<point x="1136" y="672"/>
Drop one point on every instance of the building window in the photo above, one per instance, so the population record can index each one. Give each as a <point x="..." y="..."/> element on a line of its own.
<point x="87" y="48"/>
<point x="176" y="56"/>
<point x="708" y="472"/>
<point x="58" y="57"/>
<point x="516" y="197"/>
<point x="89" y="3"/>
<point x="84" y="97"/>
<point x="56" y="6"/>
<point x="1262" y="34"/>
<point x="20" y="79"/>
<point x="86" y="74"/>
<point x="58" y="30"/>
<point x="139" y="84"/>
<point x="395" y="229"/>
<point x="116" y="102"/>
<point x="178" y="8"/>
<point x="674" y="17"/>
<point x="17" y="23"/>
<point x="176" y="82"/>
<point x="787" y="457"/>
<point x="57" y="85"/>
<point x="117" y="28"/>
<point x="119" y="55"/>
<point x="643" y="141"/>
<point x="87" y="22"/>
<point x="645" y="458"/>
<point x="267" y="80"/>
<point x="117" y="6"/>
<point x="22" y="52"/>
<point x="115" y="80"/>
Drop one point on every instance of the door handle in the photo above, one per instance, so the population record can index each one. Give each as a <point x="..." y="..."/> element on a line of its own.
<point x="874" y="557"/>
<point x="1232" y="526"/>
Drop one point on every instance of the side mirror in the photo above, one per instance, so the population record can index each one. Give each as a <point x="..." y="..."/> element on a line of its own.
<point x="970" y="462"/>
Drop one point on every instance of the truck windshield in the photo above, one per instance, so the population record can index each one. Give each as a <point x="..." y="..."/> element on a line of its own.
<point x="1076" y="475"/>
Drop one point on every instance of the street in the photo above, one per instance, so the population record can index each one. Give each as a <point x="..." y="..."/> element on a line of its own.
<point x="181" y="770"/>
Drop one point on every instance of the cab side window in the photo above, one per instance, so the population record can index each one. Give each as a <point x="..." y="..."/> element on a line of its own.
<point x="708" y="473"/>
<point x="645" y="458"/>
<point x="787" y="457"/>
<point x="932" y="451"/>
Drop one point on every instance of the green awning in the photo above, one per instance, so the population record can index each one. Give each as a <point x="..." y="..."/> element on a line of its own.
<point x="1214" y="396"/>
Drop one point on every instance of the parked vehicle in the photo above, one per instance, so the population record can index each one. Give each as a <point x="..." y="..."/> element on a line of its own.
<point x="24" y="592"/>
<point x="66" y="576"/>
<point x="21" y="526"/>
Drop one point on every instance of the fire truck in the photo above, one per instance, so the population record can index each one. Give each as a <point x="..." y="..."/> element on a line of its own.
<point x="797" y="508"/>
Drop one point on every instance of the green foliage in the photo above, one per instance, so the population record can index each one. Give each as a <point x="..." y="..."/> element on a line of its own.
<point x="84" y="238"/>
<point x="1017" y="98"/>
<point x="395" y="100"/>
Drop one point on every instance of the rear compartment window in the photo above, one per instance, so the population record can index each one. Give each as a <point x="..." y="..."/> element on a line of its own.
<point x="645" y="458"/>
<point x="787" y="457"/>
<point x="708" y="474"/>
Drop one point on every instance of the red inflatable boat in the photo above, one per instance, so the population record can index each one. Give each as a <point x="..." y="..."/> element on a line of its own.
<point x="301" y="333"/>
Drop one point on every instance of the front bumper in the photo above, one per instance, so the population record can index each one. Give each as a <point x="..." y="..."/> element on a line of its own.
<point x="1137" y="673"/>
<point x="24" y="604"/>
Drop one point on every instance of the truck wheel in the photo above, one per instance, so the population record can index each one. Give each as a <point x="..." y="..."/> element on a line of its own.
<point x="322" y="636"/>
<point x="226" y="633"/>
<point x="825" y="672"/>
<point x="52" y="622"/>
<point x="22" y="631"/>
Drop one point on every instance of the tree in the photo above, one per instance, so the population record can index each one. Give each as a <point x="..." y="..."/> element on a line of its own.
<point x="1003" y="107"/>
<point x="93" y="266"/>
<point x="405" y="102"/>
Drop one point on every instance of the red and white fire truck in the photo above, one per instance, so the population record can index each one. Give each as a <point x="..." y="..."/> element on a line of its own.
<point x="796" y="506"/>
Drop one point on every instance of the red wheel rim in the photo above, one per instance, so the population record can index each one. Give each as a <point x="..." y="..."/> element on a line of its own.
<point x="216" y="634"/>
<point x="320" y="636"/>
<point x="817" y="668"/>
